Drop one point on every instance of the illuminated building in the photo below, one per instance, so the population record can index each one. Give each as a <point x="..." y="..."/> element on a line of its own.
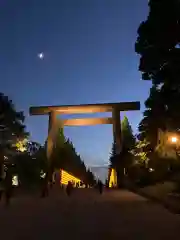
<point x="65" y="177"/>
<point x="112" y="178"/>
<point x="168" y="144"/>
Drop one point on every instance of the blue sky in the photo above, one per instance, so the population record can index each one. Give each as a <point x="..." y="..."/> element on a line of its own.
<point x="89" y="58"/>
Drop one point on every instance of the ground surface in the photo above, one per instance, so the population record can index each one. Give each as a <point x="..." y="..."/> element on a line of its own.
<point x="87" y="215"/>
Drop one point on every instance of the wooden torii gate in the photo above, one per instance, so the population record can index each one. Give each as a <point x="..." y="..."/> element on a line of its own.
<point x="55" y="123"/>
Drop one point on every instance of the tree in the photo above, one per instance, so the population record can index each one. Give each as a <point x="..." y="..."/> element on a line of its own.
<point x="11" y="127"/>
<point x="142" y="153"/>
<point x="121" y="162"/>
<point x="128" y="139"/>
<point x="112" y="158"/>
<point x="154" y="118"/>
<point x="64" y="156"/>
<point x="90" y="179"/>
<point x="29" y="166"/>
<point x="160" y="63"/>
<point x="11" y="122"/>
<point x="159" y="50"/>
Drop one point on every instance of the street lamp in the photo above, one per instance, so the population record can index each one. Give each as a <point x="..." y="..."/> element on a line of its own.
<point x="174" y="139"/>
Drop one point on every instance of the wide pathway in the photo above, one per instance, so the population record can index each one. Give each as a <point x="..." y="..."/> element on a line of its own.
<point x="87" y="215"/>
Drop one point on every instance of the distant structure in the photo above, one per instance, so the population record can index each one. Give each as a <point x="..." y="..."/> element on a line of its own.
<point x="65" y="177"/>
<point x="112" y="178"/>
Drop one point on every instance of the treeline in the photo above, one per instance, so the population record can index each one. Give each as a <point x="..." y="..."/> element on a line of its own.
<point x="28" y="159"/>
<point x="158" y="44"/>
<point x="64" y="156"/>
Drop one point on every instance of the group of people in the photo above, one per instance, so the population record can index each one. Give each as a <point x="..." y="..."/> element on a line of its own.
<point x="70" y="186"/>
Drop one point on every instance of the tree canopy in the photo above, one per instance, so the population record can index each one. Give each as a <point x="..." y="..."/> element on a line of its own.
<point x="12" y="127"/>
<point x="158" y="44"/>
<point x="29" y="166"/>
<point x="123" y="159"/>
<point x="128" y="139"/>
<point x="11" y="122"/>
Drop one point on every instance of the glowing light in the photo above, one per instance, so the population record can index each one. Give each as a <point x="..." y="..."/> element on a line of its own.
<point x="66" y="177"/>
<point x="174" y="139"/>
<point x="151" y="170"/>
<point x="113" y="178"/>
<point x="41" y="55"/>
<point x="15" y="181"/>
<point x="21" y="145"/>
<point x="42" y="174"/>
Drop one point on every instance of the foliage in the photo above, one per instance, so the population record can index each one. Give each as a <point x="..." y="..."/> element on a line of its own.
<point x="158" y="42"/>
<point x="141" y="153"/>
<point x="160" y="63"/>
<point x="12" y="128"/>
<point x="160" y="114"/>
<point x="11" y="122"/>
<point x="21" y="145"/>
<point x="154" y="118"/>
<point x="65" y="156"/>
<point x="124" y="160"/>
<point x="29" y="166"/>
<point x="112" y="158"/>
<point x="90" y="178"/>
<point x="128" y="138"/>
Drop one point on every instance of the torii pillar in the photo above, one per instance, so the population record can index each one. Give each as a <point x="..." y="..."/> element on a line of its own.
<point x="117" y="129"/>
<point x="51" y="128"/>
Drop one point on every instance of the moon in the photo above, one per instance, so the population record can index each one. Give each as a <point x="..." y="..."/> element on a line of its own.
<point x="41" y="55"/>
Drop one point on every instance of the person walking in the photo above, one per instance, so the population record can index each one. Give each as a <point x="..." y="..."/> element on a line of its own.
<point x="69" y="188"/>
<point x="100" y="187"/>
<point x="8" y="186"/>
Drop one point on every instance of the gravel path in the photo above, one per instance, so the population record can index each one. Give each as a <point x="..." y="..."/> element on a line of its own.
<point x="87" y="215"/>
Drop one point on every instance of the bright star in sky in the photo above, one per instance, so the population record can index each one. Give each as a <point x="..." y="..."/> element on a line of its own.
<point x="41" y="55"/>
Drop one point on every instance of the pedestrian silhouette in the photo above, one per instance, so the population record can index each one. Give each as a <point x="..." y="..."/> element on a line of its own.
<point x="69" y="188"/>
<point x="8" y="186"/>
<point x="100" y="187"/>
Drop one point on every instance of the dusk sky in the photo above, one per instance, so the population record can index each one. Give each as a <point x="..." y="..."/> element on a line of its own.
<point x="89" y="57"/>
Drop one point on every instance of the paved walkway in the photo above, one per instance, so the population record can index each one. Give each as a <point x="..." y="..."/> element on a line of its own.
<point x="87" y="215"/>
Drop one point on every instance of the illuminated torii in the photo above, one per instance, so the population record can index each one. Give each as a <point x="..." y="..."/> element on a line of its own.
<point x="55" y="123"/>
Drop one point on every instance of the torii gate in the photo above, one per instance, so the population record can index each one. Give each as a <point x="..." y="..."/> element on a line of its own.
<point x="55" y="123"/>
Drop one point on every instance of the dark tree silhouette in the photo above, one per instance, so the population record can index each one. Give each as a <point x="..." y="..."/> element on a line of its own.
<point x="158" y="45"/>
<point x="33" y="147"/>
<point x="11" y="122"/>
<point x="112" y="158"/>
<point x="29" y="165"/>
<point x="158" y="42"/>
<point x="65" y="156"/>
<point x="11" y="126"/>
<point x="128" y="139"/>
<point x="124" y="159"/>
<point x="90" y="179"/>
<point x="154" y="117"/>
